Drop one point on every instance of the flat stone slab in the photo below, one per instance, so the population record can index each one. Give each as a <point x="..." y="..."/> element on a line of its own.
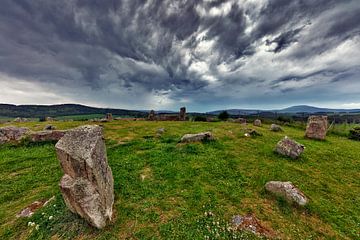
<point x="289" y="147"/>
<point x="198" y="137"/>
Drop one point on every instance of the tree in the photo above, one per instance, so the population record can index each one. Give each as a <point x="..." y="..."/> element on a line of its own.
<point x="223" y="116"/>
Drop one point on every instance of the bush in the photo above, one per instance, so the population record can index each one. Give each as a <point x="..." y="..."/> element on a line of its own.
<point x="200" y="119"/>
<point x="355" y="133"/>
<point x="223" y="116"/>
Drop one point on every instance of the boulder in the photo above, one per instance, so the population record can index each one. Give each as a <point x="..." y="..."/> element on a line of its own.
<point x="276" y="128"/>
<point x="12" y="134"/>
<point x="182" y="114"/>
<point x="87" y="185"/>
<point x="257" y="122"/>
<point x="19" y="119"/>
<point x="49" y="127"/>
<point x="288" y="191"/>
<point x="48" y="135"/>
<point x="240" y="120"/>
<point x="198" y="137"/>
<point x="316" y="127"/>
<point x="289" y="147"/>
<point x="160" y="131"/>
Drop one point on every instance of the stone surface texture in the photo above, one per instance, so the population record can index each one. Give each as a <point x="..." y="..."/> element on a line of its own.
<point x="87" y="185"/>
<point x="257" y="122"/>
<point x="288" y="191"/>
<point x="276" y="128"/>
<point x="198" y="137"/>
<point x="12" y="134"/>
<point x="316" y="127"/>
<point x="49" y="135"/>
<point x="289" y="147"/>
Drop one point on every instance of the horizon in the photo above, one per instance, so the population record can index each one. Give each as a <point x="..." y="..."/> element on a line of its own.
<point x="206" y="55"/>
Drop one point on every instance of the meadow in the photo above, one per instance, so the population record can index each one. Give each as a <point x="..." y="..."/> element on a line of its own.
<point x="164" y="190"/>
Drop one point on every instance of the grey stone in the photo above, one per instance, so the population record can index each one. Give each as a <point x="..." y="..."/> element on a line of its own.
<point x="257" y="122"/>
<point x="289" y="147"/>
<point x="276" y="128"/>
<point x="48" y="135"/>
<point x="87" y="185"/>
<point x="288" y="191"/>
<point x="198" y="137"/>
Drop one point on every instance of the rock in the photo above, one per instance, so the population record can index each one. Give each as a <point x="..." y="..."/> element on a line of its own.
<point x="276" y="128"/>
<point x="198" y="137"/>
<point x="109" y="117"/>
<point x="12" y="134"/>
<point x="87" y="185"/>
<point x="240" y="120"/>
<point x="254" y="133"/>
<point x="316" y="127"/>
<point x="49" y="119"/>
<point x="160" y="131"/>
<point x="19" y="119"/>
<point x="250" y="223"/>
<point x="182" y="114"/>
<point x="151" y="116"/>
<point x="288" y="191"/>
<point x="49" y="127"/>
<point x="48" y="135"/>
<point x="30" y="210"/>
<point x="257" y="122"/>
<point x="289" y="147"/>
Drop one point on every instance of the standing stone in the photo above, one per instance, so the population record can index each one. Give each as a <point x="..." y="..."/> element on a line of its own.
<point x="276" y="128"/>
<point x="257" y="122"/>
<point x="109" y="117"/>
<point x="87" y="185"/>
<point x="289" y="147"/>
<point x="151" y="116"/>
<point x="12" y="134"/>
<point x="182" y="114"/>
<point x="288" y="191"/>
<point x="316" y="127"/>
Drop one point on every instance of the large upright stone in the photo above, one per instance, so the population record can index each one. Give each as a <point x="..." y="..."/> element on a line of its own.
<point x="87" y="185"/>
<point x="109" y="117"/>
<point x="182" y="114"/>
<point x="316" y="127"/>
<point x="257" y="122"/>
<point x="151" y="116"/>
<point x="12" y="134"/>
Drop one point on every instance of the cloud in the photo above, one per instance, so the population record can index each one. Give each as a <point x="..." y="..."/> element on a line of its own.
<point x="160" y="53"/>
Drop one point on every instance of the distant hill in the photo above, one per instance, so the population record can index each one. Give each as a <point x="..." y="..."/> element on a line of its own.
<point x="37" y="111"/>
<point x="290" y="110"/>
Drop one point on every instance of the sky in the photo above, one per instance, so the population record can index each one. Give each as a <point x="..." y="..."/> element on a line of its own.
<point x="164" y="54"/>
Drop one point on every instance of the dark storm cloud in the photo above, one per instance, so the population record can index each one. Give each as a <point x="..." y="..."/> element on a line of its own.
<point x="190" y="51"/>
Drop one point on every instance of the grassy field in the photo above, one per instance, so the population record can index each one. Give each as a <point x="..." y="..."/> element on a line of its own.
<point x="163" y="189"/>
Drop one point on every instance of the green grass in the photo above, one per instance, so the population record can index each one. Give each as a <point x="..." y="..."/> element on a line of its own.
<point x="182" y="182"/>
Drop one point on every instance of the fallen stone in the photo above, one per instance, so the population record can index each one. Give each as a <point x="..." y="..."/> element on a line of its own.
<point x="316" y="127"/>
<point x="288" y="191"/>
<point x="276" y="128"/>
<point x="160" y="131"/>
<point x="240" y="120"/>
<point x="250" y="223"/>
<point x="257" y="123"/>
<point x="87" y="185"/>
<point x="42" y="136"/>
<point x="19" y="119"/>
<point x="198" y="137"/>
<point x="289" y="147"/>
<point x="12" y="134"/>
<point x="31" y="209"/>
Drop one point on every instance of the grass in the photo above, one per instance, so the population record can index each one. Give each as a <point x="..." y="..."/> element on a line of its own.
<point x="163" y="189"/>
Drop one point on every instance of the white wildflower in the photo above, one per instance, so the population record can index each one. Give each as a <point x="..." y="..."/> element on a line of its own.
<point x="51" y="217"/>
